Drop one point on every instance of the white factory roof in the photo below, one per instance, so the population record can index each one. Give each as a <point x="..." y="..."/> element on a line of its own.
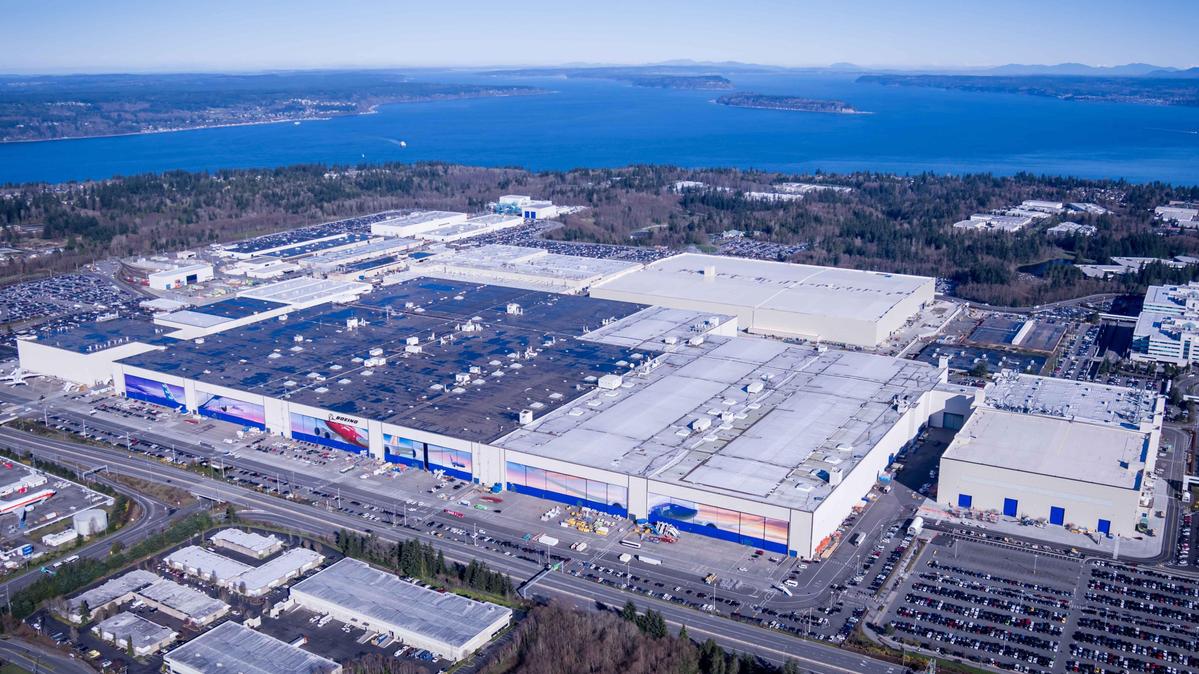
<point x="774" y="286"/>
<point x="1074" y="450"/>
<point x="184" y="269"/>
<point x="1118" y="406"/>
<point x="125" y="627"/>
<point x="386" y="599"/>
<point x="306" y="291"/>
<point x="207" y="563"/>
<point x="113" y="589"/>
<point x="375" y="248"/>
<point x="234" y="648"/>
<point x="1064" y="428"/>
<point x="481" y="224"/>
<point x="288" y="564"/>
<point x="532" y="268"/>
<point x="418" y="217"/>
<point x="246" y="539"/>
<point x="818" y="410"/>
<point x="188" y="601"/>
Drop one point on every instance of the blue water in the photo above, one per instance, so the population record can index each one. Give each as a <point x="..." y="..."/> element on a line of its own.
<point x="601" y="123"/>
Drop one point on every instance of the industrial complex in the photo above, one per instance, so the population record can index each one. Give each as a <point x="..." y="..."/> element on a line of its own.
<point x="628" y="388"/>
<point x="513" y="401"/>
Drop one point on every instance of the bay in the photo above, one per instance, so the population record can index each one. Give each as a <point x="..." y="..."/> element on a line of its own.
<point x="601" y="123"/>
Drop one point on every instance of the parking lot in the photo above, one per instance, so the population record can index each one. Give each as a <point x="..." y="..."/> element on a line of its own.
<point x="1028" y="611"/>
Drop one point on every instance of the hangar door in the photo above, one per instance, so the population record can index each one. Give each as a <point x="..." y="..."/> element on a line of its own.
<point x="953" y="421"/>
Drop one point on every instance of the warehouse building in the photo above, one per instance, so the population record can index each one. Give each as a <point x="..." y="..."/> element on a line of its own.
<point x="242" y="578"/>
<point x="129" y="630"/>
<point x="521" y="267"/>
<point x="415" y="223"/>
<point x="1068" y="453"/>
<point x="86" y="354"/>
<point x="234" y="648"/>
<point x="177" y="277"/>
<point x="844" y="306"/>
<point x="444" y="623"/>
<point x="326" y="263"/>
<point x="476" y="226"/>
<point x="247" y="543"/>
<point x="182" y="602"/>
<point x="109" y="594"/>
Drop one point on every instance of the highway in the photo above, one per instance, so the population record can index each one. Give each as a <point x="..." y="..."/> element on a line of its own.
<point x="773" y="646"/>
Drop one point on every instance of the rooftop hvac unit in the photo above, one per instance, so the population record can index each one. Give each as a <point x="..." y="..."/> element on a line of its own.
<point x="199" y="340"/>
<point x="701" y="424"/>
<point x="375" y="361"/>
<point x="412" y="340"/>
<point x="412" y="348"/>
<point x="526" y="417"/>
<point x="352" y="323"/>
<point x="710" y="272"/>
<point x="461" y="378"/>
<point x="610" y="382"/>
<point x="834" y="476"/>
<point x="377" y="351"/>
<point x="696" y="340"/>
<point x="297" y="338"/>
<point x="844" y="447"/>
<point x="754" y="387"/>
<point x="514" y="309"/>
<point x="283" y="317"/>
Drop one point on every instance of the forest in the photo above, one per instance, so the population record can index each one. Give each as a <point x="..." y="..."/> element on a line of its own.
<point x="887" y="223"/>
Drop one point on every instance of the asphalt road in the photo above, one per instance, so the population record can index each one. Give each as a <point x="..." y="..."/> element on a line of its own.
<point x="770" y="645"/>
<point x="42" y="661"/>
<point x="153" y="515"/>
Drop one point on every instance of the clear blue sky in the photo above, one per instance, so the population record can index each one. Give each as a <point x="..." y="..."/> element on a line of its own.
<point x="163" y="35"/>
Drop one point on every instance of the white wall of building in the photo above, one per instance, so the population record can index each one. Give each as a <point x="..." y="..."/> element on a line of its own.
<point x="1085" y="503"/>
<point x="88" y="369"/>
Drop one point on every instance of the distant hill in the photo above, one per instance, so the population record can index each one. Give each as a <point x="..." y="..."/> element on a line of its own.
<point x="1127" y="70"/>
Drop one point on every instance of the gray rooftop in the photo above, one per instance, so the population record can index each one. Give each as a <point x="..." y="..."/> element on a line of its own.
<point x="387" y="599"/>
<point x="188" y="601"/>
<point x="284" y="566"/>
<point x="774" y="286"/>
<point x="1066" y="398"/>
<point x="246" y="539"/>
<point x="819" y="410"/>
<point x="1075" y="450"/>
<point x="207" y="562"/>
<point x="236" y="649"/>
<point x="127" y="626"/>
<point x="113" y="589"/>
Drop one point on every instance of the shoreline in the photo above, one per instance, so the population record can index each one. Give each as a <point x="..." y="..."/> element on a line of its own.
<point x="373" y="109"/>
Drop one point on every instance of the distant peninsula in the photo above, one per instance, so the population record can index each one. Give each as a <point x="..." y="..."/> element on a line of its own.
<point x="1169" y="89"/>
<point x="793" y="103"/>
<point x="682" y="81"/>
<point x="84" y="106"/>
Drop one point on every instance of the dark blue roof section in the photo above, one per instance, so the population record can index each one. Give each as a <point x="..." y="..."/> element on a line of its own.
<point x="371" y="263"/>
<point x="540" y="360"/>
<point x="318" y="246"/>
<point x="237" y="307"/>
<point x="90" y="337"/>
